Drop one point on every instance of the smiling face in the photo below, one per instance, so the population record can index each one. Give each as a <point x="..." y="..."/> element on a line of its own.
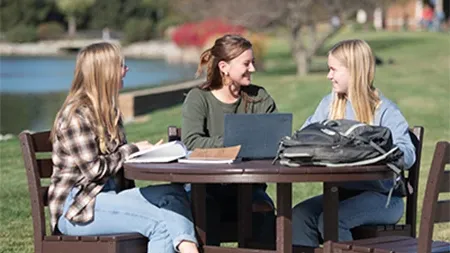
<point x="338" y="74"/>
<point x="240" y="69"/>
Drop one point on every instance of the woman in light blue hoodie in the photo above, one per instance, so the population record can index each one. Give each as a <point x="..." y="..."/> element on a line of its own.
<point x="351" y="71"/>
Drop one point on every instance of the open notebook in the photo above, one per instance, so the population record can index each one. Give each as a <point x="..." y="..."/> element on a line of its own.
<point x="176" y="150"/>
<point x="163" y="153"/>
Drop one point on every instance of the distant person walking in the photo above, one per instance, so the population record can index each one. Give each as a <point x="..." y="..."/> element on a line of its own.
<point x="427" y="17"/>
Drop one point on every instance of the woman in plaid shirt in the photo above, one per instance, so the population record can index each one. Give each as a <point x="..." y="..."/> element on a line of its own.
<point x="89" y="148"/>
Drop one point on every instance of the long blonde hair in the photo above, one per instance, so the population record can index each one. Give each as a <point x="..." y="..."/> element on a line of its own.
<point x="96" y="85"/>
<point x="356" y="55"/>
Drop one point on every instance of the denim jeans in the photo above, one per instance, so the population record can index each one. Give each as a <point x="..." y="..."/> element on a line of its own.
<point x="365" y="208"/>
<point x="160" y="212"/>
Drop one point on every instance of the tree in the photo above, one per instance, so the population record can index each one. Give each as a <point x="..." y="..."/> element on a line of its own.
<point x="106" y="13"/>
<point x="73" y="9"/>
<point x="22" y="12"/>
<point x="300" y="17"/>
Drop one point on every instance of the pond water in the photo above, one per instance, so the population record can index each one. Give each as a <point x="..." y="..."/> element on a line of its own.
<point x="32" y="89"/>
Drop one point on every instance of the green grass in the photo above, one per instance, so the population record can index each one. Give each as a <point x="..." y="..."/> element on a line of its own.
<point x="418" y="82"/>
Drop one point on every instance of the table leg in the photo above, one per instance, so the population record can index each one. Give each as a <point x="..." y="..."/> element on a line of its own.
<point x="284" y="216"/>
<point x="244" y="214"/>
<point x="330" y="211"/>
<point x="198" y="202"/>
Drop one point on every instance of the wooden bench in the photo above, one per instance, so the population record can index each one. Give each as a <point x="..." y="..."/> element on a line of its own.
<point x="41" y="167"/>
<point x="409" y="227"/>
<point x="433" y="211"/>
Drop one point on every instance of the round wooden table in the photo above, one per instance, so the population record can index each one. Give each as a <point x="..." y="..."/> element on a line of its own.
<point x="258" y="171"/>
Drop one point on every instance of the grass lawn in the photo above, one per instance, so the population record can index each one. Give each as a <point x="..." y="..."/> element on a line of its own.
<point x="418" y="82"/>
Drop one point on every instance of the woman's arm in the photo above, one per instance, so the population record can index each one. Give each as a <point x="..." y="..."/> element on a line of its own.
<point x="393" y="119"/>
<point x="81" y="144"/>
<point x="193" y="132"/>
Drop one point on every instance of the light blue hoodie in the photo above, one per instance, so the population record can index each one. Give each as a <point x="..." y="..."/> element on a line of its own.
<point x="387" y="115"/>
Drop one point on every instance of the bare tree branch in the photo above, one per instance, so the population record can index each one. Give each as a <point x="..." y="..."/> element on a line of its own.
<point x="300" y="17"/>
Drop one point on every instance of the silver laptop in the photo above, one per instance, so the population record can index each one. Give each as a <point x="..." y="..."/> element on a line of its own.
<point x="258" y="134"/>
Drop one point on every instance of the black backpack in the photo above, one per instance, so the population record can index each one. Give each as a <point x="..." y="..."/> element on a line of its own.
<point x="338" y="143"/>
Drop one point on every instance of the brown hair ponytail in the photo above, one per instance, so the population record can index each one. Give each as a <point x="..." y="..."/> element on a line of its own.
<point x="225" y="48"/>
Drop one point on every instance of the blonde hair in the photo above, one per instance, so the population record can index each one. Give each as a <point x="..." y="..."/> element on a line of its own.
<point x="357" y="57"/>
<point x="96" y="85"/>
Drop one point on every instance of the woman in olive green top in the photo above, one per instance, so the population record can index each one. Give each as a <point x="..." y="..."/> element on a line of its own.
<point x="227" y="89"/>
<point x="203" y="114"/>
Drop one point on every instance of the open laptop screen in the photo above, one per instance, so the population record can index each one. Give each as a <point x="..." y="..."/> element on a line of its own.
<point x="258" y="134"/>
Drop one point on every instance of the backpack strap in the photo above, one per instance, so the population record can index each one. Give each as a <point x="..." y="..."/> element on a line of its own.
<point x="399" y="179"/>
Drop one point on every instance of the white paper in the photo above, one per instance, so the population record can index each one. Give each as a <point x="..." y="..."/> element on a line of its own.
<point x="166" y="152"/>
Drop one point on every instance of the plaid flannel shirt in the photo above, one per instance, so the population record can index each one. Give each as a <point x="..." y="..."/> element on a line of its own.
<point x="78" y="162"/>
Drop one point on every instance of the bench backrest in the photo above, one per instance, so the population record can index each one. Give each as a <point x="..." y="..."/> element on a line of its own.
<point x="32" y="145"/>
<point x="433" y="209"/>
<point x="416" y="134"/>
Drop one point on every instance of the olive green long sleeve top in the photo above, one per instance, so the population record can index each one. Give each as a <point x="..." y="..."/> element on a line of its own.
<point x="203" y="114"/>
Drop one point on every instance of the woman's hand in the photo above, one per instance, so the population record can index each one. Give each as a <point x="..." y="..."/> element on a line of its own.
<point x="159" y="142"/>
<point x="146" y="145"/>
<point x="143" y="145"/>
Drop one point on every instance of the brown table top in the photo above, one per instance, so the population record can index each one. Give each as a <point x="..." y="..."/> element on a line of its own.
<point x="251" y="172"/>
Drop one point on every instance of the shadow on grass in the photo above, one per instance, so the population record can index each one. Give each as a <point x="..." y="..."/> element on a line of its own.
<point x="386" y="43"/>
<point x="292" y="70"/>
<point x="278" y="55"/>
<point x="283" y="64"/>
<point x="287" y="67"/>
<point x="379" y="44"/>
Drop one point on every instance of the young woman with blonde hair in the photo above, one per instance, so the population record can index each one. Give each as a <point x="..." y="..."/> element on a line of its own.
<point x="228" y="89"/>
<point x="89" y="149"/>
<point x="352" y="71"/>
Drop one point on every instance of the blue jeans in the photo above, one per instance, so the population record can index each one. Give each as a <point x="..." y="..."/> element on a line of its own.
<point x="161" y="213"/>
<point x="365" y="208"/>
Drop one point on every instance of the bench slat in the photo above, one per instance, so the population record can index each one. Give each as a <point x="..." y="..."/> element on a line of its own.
<point x="105" y="238"/>
<point x="442" y="211"/>
<point x="396" y="245"/>
<point x="120" y="237"/>
<point x="45" y="167"/>
<point x="89" y="238"/>
<point x="41" y="142"/>
<point x="445" y="182"/>
<point x="361" y="249"/>
<point x="382" y="251"/>
<point x="44" y="195"/>
<point x="437" y="246"/>
<point x="69" y="238"/>
<point x="52" y="238"/>
<point x="378" y="240"/>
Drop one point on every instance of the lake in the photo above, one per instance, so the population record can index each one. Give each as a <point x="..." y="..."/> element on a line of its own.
<point x="32" y="89"/>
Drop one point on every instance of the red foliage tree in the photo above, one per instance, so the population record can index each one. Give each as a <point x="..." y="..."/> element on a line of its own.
<point x="198" y="33"/>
